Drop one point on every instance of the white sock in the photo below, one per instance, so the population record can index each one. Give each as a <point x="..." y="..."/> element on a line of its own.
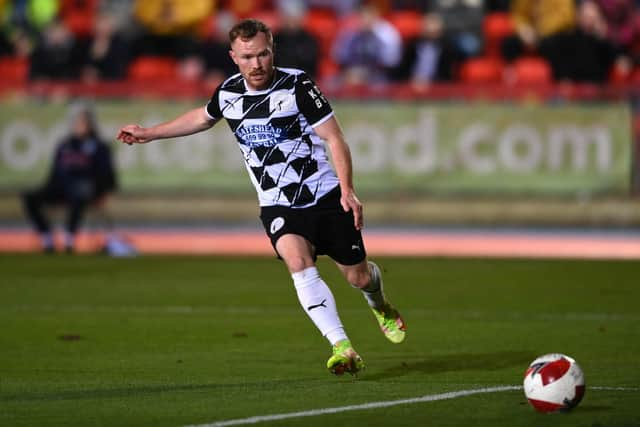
<point x="373" y="292"/>
<point x="318" y="302"/>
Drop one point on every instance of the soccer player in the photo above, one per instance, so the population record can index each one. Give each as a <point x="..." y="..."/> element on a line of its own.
<point x="280" y="120"/>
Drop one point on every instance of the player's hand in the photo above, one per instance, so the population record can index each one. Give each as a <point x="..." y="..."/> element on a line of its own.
<point x="133" y="134"/>
<point x="350" y="202"/>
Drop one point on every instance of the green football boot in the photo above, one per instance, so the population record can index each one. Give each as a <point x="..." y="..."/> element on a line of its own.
<point x="344" y="359"/>
<point x="391" y="323"/>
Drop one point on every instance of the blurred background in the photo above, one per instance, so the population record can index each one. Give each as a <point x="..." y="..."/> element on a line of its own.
<point x="460" y="114"/>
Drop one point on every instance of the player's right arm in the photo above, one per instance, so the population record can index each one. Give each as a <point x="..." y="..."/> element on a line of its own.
<point x="194" y="121"/>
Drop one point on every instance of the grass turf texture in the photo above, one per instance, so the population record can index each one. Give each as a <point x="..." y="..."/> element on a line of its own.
<point x="168" y="341"/>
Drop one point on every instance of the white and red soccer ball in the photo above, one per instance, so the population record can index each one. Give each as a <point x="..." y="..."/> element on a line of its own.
<point x="554" y="382"/>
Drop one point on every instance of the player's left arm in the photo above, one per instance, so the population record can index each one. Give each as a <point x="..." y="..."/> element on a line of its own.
<point x="331" y="132"/>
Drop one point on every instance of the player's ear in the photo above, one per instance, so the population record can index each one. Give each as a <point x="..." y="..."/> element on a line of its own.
<point x="233" y="56"/>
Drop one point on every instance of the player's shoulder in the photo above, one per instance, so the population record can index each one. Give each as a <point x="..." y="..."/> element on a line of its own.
<point x="297" y="74"/>
<point x="291" y="71"/>
<point x="234" y="83"/>
<point x="300" y="79"/>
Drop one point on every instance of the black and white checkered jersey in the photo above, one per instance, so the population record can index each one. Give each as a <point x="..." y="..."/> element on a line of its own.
<point x="286" y="160"/>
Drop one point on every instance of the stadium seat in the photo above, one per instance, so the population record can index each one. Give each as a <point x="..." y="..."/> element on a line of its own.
<point x="14" y="69"/>
<point x="481" y="70"/>
<point x="153" y="68"/>
<point x="618" y="74"/>
<point x="79" y="15"/>
<point x="496" y="26"/>
<point x="244" y="8"/>
<point x="532" y="71"/>
<point x="327" y="68"/>
<point x="269" y="17"/>
<point x="635" y="76"/>
<point x="323" y="24"/>
<point x="407" y="22"/>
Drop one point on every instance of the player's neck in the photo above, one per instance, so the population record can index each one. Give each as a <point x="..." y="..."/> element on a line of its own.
<point x="263" y="87"/>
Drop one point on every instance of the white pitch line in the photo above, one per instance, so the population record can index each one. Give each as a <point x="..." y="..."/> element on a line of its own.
<point x="371" y="405"/>
<point x="382" y="404"/>
<point x="612" y="388"/>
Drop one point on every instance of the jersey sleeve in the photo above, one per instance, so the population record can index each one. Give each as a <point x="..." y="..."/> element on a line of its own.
<point x="213" y="106"/>
<point x="311" y="102"/>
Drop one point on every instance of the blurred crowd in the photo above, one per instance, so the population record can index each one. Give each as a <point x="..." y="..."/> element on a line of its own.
<point x="348" y="41"/>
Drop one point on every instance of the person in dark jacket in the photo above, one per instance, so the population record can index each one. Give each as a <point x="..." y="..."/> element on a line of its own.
<point x="82" y="173"/>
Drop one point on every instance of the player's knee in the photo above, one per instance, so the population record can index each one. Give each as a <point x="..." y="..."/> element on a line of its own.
<point x="298" y="263"/>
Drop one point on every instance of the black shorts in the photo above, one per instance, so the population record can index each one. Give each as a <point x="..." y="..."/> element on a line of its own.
<point x="325" y="225"/>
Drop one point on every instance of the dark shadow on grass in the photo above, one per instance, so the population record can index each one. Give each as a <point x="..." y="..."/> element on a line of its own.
<point x="455" y="362"/>
<point x="137" y="391"/>
<point x="592" y="408"/>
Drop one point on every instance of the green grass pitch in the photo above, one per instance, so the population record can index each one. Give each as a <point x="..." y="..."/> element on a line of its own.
<point x="171" y="341"/>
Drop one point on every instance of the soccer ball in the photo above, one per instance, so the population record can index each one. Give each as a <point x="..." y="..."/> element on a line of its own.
<point x="554" y="382"/>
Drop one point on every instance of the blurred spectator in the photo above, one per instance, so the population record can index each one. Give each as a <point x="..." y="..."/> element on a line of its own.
<point x="21" y="22"/>
<point x="82" y="173"/>
<point x="538" y="21"/>
<point x="623" y="22"/>
<point x="422" y="6"/>
<point x="56" y="54"/>
<point x="623" y="29"/>
<point x="294" y="46"/>
<point x="122" y="13"/>
<point x="585" y="55"/>
<point x="107" y="52"/>
<point x="368" y="50"/>
<point x="340" y="7"/>
<point x="32" y="15"/>
<point x="215" y="49"/>
<point x="170" y="26"/>
<point x="462" y="21"/>
<point x="6" y="47"/>
<point x="496" y="5"/>
<point x="431" y="56"/>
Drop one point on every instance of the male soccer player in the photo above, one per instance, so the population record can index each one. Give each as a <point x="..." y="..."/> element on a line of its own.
<point x="280" y="119"/>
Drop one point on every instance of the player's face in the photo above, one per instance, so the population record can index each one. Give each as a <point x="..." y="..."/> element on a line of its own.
<point x="254" y="58"/>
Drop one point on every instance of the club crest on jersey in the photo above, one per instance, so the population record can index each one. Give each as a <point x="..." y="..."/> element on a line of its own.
<point x="281" y="101"/>
<point x="258" y="135"/>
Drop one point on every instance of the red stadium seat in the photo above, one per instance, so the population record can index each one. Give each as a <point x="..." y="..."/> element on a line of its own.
<point x="407" y="22"/>
<point x="619" y="74"/>
<point x="14" y="69"/>
<point x="79" y="15"/>
<point x="481" y="70"/>
<point x="635" y="76"/>
<point x="153" y="68"/>
<point x="269" y="17"/>
<point x="496" y="26"/>
<point x="323" y="24"/>
<point x="327" y="68"/>
<point x="532" y="70"/>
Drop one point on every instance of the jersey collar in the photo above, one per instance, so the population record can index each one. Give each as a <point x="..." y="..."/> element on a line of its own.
<point x="274" y="78"/>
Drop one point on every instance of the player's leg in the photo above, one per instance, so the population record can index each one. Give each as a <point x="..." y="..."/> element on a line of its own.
<point x="347" y="249"/>
<point x="33" y="203"/>
<point x="317" y="301"/>
<point x="367" y="277"/>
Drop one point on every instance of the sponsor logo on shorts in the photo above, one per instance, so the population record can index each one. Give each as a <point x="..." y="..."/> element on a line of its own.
<point x="276" y="225"/>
